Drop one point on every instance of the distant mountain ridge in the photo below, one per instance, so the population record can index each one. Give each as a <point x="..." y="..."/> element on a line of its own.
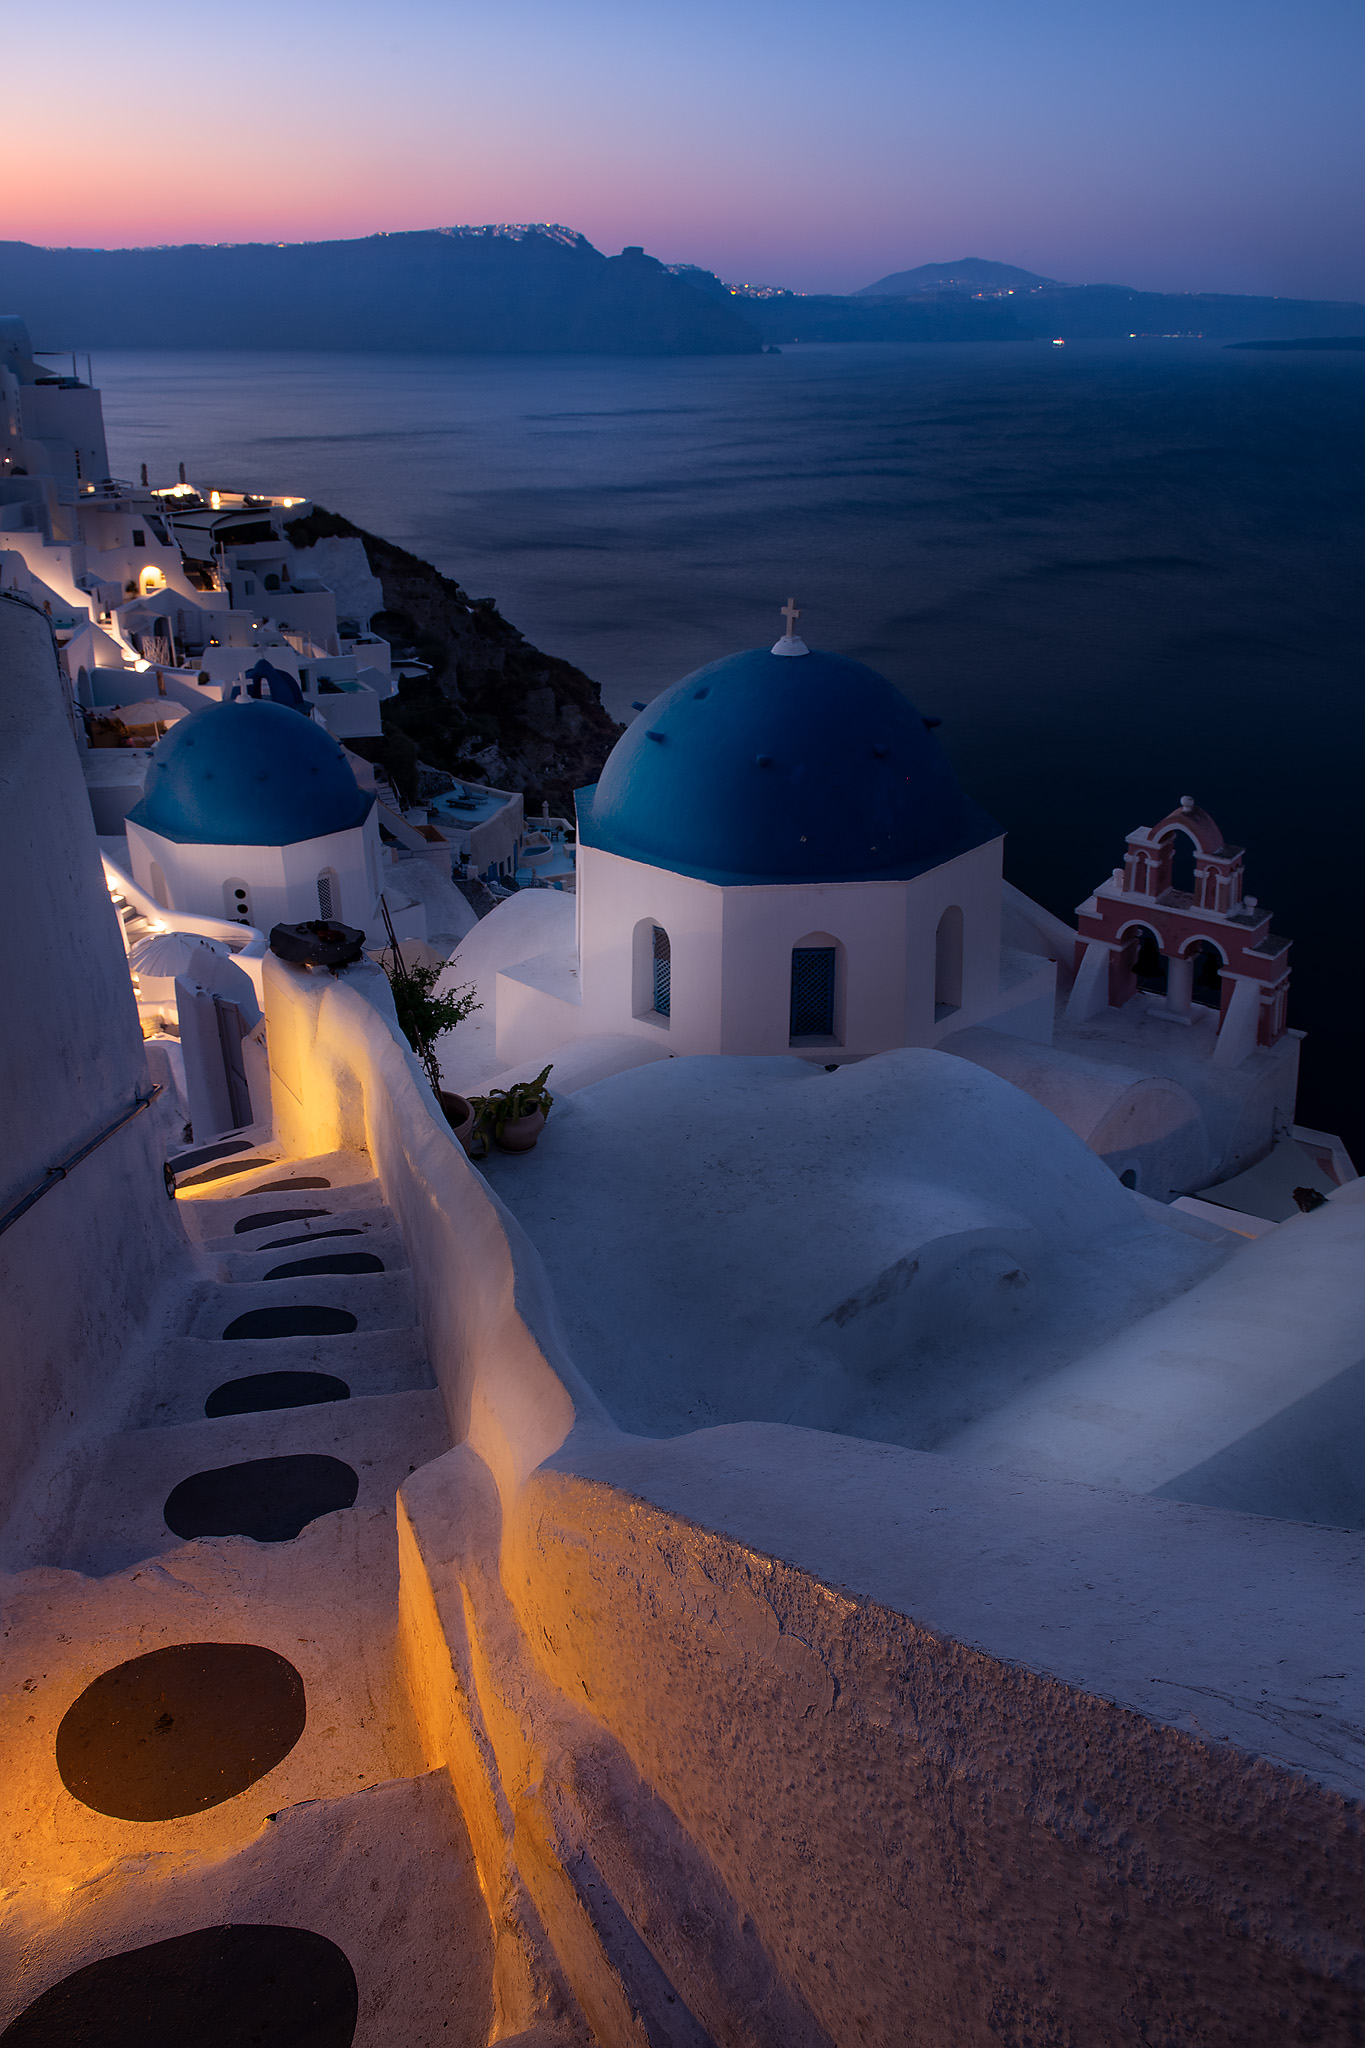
<point x="510" y="288"/>
<point x="538" y="287"/>
<point x="970" y="273"/>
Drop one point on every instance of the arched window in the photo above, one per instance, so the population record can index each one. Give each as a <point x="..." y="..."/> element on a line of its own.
<point x="948" y="964"/>
<point x="329" y="895"/>
<point x="1149" y="962"/>
<point x="652" y="972"/>
<point x="1128" y="1178"/>
<point x="159" y="889"/>
<point x="814" y="991"/>
<point x="1182" y="862"/>
<point x="663" y="973"/>
<point x="1207" y="987"/>
<point x="236" y="901"/>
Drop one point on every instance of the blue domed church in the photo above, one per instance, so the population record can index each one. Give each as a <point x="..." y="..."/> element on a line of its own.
<point x="252" y="812"/>
<point x="779" y="858"/>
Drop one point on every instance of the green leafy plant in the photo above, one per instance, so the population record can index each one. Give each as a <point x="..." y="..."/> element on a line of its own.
<point x="422" y="1014"/>
<point x="503" y="1106"/>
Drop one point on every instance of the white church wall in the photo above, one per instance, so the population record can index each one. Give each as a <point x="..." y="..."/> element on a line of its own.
<point x="972" y="884"/>
<point x="79" y="1269"/>
<point x="865" y="921"/>
<point x="615" y="897"/>
<point x="279" y="883"/>
<point x="731" y="951"/>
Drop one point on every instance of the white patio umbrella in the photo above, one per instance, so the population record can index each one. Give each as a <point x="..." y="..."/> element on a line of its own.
<point x="163" y="955"/>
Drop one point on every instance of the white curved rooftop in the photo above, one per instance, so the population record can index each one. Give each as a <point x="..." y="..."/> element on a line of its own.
<point x="891" y="1250"/>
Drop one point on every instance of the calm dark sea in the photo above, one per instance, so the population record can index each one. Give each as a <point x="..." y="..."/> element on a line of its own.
<point x="1119" y="572"/>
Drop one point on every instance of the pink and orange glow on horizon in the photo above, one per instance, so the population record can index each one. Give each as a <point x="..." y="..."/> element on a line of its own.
<point x="1198" y="144"/>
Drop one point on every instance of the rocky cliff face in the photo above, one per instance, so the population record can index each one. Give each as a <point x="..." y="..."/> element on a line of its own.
<point x="493" y="708"/>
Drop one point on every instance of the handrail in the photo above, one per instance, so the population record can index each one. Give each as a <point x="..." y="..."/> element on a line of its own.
<point x="246" y="940"/>
<point x="56" y="1173"/>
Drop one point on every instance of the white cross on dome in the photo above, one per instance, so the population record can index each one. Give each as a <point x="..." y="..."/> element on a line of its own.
<point x="789" y="643"/>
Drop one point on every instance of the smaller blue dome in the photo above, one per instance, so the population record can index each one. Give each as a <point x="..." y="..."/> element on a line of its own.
<point x="249" y="774"/>
<point x="760" y="768"/>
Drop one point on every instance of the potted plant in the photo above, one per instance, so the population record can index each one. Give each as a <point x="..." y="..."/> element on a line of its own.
<point x="512" y="1117"/>
<point x="423" y="1016"/>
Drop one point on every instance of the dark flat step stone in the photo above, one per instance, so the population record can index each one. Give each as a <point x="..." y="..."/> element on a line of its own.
<point x="200" y="1155"/>
<point x="180" y="1729"/>
<point x="217" y="1987"/>
<point x="303" y="1319"/>
<point x="327" y="1262"/>
<point x="277" y="1244"/>
<point x="257" y="1391"/>
<point x="282" y="1187"/>
<point x="199" y="1180"/>
<point x="269" y="1499"/>
<point x="270" y="1219"/>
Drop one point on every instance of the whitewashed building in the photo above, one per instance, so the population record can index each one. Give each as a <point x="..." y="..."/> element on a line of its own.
<point x="251" y="812"/>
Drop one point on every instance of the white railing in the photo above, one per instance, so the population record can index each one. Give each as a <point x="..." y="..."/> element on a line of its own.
<point x="246" y="943"/>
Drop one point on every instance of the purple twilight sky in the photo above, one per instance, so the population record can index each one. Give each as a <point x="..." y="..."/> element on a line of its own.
<point x="1181" y="144"/>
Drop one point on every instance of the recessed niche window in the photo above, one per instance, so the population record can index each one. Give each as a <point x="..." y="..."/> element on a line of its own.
<point x="159" y="889"/>
<point x="948" y="964"/>
<point x="272" y="582"/>
<point x="249" y="587"/>
<point x="139" y="537"/>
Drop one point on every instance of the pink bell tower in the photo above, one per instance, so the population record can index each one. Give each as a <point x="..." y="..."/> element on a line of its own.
<point x="1210" y="945"/>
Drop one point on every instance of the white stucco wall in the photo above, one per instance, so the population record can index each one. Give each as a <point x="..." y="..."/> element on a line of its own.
<point x="731" y="952"/>
<point x="281" y="881"/>
<point x="79" y="1270"/>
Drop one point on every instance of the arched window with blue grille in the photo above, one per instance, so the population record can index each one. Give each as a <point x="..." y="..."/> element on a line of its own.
<point x="663" y="973"/>
<point x="652" y="973"/>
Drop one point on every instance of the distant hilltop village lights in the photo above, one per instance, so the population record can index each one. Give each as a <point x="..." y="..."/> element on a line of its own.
<point x="694" y="1504"/>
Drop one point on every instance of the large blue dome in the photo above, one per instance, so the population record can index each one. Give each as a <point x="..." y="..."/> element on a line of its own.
<point x="773" y="768"/>
<point x="249" y="774"/>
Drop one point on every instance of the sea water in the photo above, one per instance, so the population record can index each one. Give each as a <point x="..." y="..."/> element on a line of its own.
<point x="1119" y="572"/>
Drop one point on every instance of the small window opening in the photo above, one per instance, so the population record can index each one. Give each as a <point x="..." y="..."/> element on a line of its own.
<point x="139" y="537"/>
<point x="812" y="992"/>
<point x="1128" y="1178"/>
<point x="236" y="902"/>
<point x="272" y="582"/>
<point x="663" y="972"/>
<point x="329" y="895"/>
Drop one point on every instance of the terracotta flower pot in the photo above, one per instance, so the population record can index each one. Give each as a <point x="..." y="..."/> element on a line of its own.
<point x="458" y="1115"/>
<point x="520" y="1133"/>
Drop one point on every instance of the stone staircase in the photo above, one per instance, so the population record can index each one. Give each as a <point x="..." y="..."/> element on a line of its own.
<point x="206" y="1728"/>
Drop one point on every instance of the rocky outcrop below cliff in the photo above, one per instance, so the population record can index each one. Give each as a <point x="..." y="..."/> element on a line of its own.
<point x="492" y="707"/>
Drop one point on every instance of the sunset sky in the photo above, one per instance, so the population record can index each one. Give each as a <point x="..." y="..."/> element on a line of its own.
<point x="1177" y="144"/>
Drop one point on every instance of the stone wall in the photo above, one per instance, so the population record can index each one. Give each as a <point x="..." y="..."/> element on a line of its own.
<point x="79" y="1270"/>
